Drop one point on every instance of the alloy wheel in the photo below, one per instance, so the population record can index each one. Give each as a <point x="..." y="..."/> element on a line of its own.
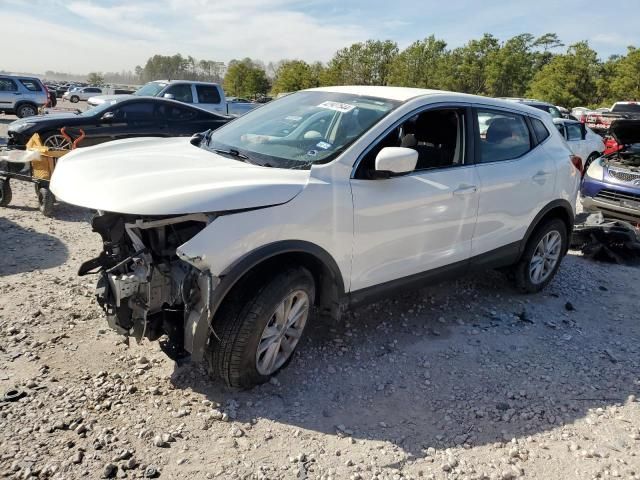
<point x="282" y="332"/>
<point x="545" y="257"/>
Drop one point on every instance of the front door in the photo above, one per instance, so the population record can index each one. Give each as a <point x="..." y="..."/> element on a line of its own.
<point x="424" y="220"/>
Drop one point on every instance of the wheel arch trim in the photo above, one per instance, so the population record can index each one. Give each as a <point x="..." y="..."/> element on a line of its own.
<point x="558" y="205"/>
<point x="231" y="275"/>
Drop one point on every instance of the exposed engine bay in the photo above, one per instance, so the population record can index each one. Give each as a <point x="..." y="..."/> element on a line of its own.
<point x="628" y="159"/>
<point x="145" y="289"/>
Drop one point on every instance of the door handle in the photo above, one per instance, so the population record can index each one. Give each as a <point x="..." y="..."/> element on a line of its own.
<point x="465" y="190"/>
<point x="17" y="93"/>
<point x="541" y="175"/>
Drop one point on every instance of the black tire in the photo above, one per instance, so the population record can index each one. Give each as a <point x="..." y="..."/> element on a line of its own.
<point x="74" y="99"/>
<point x="26" y="110"/>
<point x="5" y="192"/>
<point x="589" y="161"/>
<point x="522" y="271"/>
<point x="240" y="322"/>
<point x="45" y="201"/>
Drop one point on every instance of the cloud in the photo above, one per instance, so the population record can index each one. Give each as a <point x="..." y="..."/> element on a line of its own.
<point x="113" y="35"/>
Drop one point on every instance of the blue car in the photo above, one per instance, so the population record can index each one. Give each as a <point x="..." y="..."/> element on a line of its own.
<point x="611" y="184"/>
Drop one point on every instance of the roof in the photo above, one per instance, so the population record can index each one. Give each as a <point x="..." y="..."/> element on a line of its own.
<point x="392" y="93"/>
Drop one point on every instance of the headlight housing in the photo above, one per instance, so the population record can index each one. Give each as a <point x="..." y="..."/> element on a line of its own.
<point x="596" y="170"/>
<point x="21" y="127"/>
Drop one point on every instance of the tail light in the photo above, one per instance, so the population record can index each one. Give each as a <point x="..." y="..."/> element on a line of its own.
<point x="46" y="92"/>
<point x="577" y="162"/>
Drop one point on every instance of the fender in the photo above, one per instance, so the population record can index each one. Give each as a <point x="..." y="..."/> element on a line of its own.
<point x="562" y="203"/>
<point x="232" y="274"/>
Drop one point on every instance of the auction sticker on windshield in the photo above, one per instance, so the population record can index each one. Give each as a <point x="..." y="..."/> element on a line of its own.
<point x="337" y="106"/>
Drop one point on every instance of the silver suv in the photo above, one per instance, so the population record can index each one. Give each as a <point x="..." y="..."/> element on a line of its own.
<point x="22" y="95"/>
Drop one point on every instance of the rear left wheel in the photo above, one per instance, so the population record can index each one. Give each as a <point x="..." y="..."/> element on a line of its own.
<point x="257" y="333"/>
<point x="26" y="110"/>
<point x="542" y="256"/>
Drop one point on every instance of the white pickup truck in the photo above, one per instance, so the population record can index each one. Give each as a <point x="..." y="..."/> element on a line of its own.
<point x="206" y="95"/>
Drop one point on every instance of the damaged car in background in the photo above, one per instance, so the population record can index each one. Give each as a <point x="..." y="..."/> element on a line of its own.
<point x="612" y="182"/>
<point x="225" y="246"/>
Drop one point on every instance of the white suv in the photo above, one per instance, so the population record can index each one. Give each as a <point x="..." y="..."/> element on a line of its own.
<point x="228" y="243"/>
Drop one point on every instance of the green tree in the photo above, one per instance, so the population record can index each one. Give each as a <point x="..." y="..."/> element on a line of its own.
<point x="95" y="78"/>
<point x="293" y="75"/>
<point x="568" y="79"/>
<point x="246" y="78"/>
<point x="421" y="64"/>
<point x="467" y="65"/>
<point x="367" y="63"/>
<point x="625" y="81"/>
<point x="509" y="69"/>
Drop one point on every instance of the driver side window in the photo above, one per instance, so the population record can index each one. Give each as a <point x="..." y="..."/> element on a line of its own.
<point x="437" y="135"/>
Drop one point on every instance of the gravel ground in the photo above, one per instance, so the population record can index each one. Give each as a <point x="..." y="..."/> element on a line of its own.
<point x="464" y="380"/>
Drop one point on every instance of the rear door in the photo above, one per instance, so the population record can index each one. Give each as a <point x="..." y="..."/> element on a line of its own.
<point x="9" y="93"/>
<point x="208" y="97"/>
<point x="516" y="175"/>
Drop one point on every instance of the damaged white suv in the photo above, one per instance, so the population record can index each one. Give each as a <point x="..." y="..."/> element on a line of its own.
<point x="228" y="244"/>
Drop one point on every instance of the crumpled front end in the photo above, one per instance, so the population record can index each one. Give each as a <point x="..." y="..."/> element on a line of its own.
<point x="145" y="289"/>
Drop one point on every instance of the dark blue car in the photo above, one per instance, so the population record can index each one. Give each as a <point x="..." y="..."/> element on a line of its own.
<point x="612" y="182"/>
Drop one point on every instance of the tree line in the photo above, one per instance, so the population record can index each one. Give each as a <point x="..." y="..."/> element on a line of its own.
<point x="524" y="65"/>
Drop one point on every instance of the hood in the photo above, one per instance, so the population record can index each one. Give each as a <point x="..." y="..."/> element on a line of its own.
<point x="41" y="118"/>
<point x="150" y="176"/>
<point x="625" y="131"/>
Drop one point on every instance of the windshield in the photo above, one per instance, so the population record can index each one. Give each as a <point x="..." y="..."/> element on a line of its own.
<point x="301" y="129"/>
<point x="101" y="107"/>
<point x="151" y="89"/>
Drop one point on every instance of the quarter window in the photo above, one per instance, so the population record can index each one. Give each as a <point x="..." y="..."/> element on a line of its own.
<point x="540" y="130"/>
<point x="503" y="136"/>
<point x="7" y="85"/>
<point x="31" y="85"/>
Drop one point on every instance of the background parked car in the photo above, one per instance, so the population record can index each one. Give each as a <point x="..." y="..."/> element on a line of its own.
<point x="582" y="141"/>
<point x="130" y="117"/>
<point x="206" y="95"/>
<point x="600" y="120"/>
<point x="539" y="104"/>
<point x="83" y="93"/>
<point x="22" y="95"/>
<point x="612" y="183"/>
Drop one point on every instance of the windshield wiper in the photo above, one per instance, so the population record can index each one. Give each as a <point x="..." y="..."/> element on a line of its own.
<point x="233" y="153"/>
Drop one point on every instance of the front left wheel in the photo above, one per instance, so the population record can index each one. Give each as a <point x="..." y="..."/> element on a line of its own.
<point x="256" y="333"/>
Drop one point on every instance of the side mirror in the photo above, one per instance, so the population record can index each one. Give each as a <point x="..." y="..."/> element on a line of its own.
<point x="107" y="117"/>
<point x="170" y="96"/>
<point x="396" y="160"/>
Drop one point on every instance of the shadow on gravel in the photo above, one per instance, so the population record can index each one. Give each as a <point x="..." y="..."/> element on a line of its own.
<point x="61" y="211"/>
<point x="25" y="250"/>
<point x="468" y="362"/>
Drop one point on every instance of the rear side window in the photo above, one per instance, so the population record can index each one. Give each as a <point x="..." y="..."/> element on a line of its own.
<point x="503" y="136"/>
<point x="539" y="129"/>
<point x="574" y="132"/>
<point x="31" y="85"/>
<point x="135" y="112"/>
<point x="207" y="94"/>
<point x="7" y="85"/>
<point x="92" y="90"/>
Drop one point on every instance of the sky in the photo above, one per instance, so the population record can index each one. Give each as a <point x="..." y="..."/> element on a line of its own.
<point x="80" y="36"/>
